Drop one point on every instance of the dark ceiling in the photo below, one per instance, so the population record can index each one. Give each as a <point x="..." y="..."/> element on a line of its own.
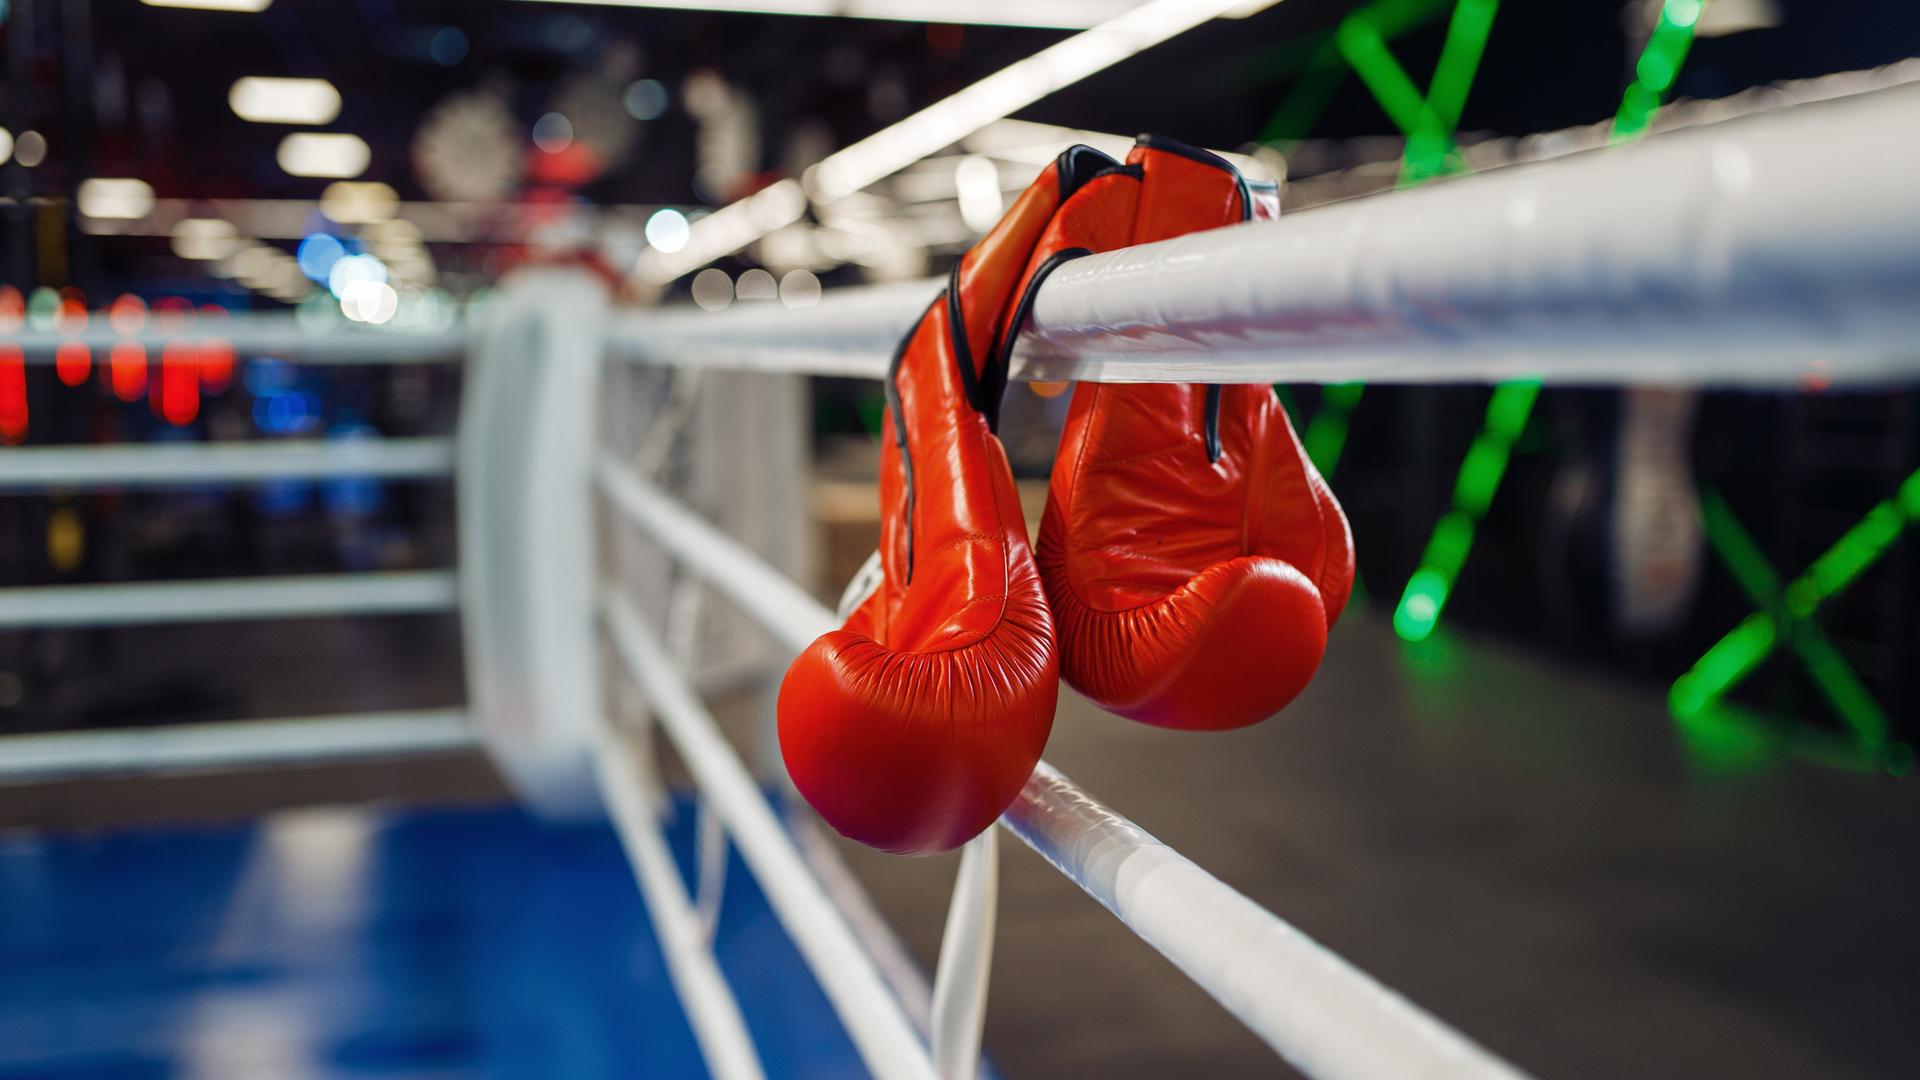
<point x="152" y="82"/>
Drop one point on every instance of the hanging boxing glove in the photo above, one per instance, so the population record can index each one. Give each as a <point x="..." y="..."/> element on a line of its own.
<point x="1193" y="557"/>
<point x="914" y="726"/>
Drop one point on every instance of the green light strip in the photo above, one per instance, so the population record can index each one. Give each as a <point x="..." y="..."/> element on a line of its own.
<point x="1473" y="489"/>
<point x="1658" y="66"/>
<point x="1430" y="150"/>
<point x="1460" y="59"/>
<point x="1326" y="436"/>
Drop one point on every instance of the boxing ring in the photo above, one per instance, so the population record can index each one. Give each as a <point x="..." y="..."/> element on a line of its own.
<point x="629" y="497"/>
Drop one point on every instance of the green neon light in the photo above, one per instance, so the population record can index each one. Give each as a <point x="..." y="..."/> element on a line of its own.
<point x="1658" y="66"/>
<point x="1359" y="40"/>
<point x="1729" y="661"/>
<point x="1430" y="148"/>
<point x="1460" y="59"/>
<point x="1843" y="690"/>
<point x="1473" y="489"/>
<point x="1697" y="693"/>
<point x="1728" y="737"/>
<point x="1324" y="71"/>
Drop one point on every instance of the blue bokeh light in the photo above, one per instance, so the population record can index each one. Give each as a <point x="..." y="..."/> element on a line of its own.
<point x="317" y="254"/>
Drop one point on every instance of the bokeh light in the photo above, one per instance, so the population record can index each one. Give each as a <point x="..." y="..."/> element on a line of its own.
<point x="645" y="99"/>
<point x="799" y="289"/>
<point x="712" y="289"/>
<point x="668" y="230"/>
<point x="317" y="254"/>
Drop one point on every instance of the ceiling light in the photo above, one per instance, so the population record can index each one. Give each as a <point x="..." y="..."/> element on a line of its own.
<point x="712" y="289"/>
<point x="338" y="157"/>
<point x="359" y="202"/>
<point x="353" y="270"/>
<point x="212" y="5"/>
<point x="204" y="238"/>
<point x="121" y="200"/>
<point x="799" y="288"/>
<point x="30" y="149"/>
<point x="667" y="230"/>
<point x="1011" y="88"/>
<point x="976" y="181"/>
<point x="267" y="100"/>
<point x="938" y="125"/>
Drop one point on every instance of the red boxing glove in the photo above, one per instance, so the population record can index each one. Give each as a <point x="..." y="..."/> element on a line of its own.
<point x="913" y="727"/>
<point x="1193" y="557"/>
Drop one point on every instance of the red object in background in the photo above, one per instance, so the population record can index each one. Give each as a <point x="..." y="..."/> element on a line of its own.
<point x="216" y="356"/>
<point x="13" y="368"/>
<point x="73" y="362"/>
<point x="573" y="166"/>
<point x="13" y="394"/>
<point x="1193" y="557"/>
<point x="127" y="370"/>
<point x="178" y="401"/>
<point x="127" y="314"/>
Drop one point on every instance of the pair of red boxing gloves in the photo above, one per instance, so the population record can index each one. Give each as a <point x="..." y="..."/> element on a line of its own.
<point x="1190" y="562"/>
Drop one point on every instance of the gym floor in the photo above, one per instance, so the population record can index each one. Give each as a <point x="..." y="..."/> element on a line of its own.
<point x="1522" y="848"/>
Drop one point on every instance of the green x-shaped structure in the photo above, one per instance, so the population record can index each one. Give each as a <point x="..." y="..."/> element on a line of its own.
<point x="1428" y="121"/>
<point x="1725" y="732"/>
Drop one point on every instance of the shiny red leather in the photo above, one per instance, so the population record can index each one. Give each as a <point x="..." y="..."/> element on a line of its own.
<point x="1192" y="582"/>
<point x="914" y="726"/>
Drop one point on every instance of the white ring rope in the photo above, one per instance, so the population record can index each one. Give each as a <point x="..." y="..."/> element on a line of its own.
<point x="1758" y="251"/>
<point x="885" y="1038"/>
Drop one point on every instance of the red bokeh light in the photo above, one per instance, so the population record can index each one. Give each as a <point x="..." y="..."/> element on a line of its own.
<point x="127" y="367"/>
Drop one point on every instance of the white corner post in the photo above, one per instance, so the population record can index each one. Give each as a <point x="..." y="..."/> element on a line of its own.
<point x="527" y="560"/>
